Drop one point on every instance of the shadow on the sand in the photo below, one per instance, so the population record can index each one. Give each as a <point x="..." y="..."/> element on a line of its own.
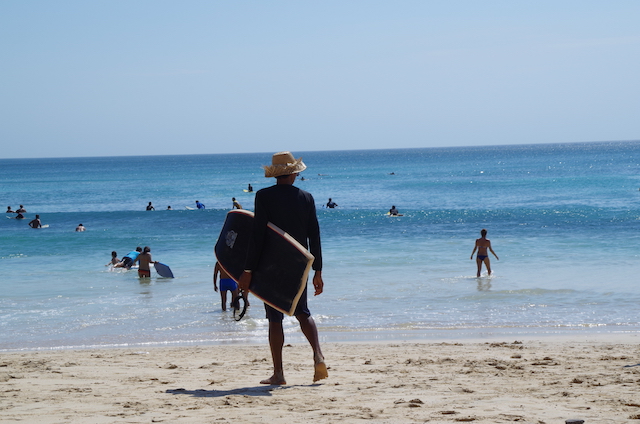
<point x="247" y="391"/>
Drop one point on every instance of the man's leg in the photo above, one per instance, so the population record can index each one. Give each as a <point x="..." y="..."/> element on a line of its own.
<point x="309" y="329"/>
<point x="276" y="343"/>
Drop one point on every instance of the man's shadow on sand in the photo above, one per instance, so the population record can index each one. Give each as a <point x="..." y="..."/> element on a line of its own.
<point x="247" y="391"/>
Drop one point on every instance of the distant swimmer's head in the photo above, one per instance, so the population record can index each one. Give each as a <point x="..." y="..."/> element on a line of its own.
<point x="138" y="249"/>
<point x="282" y="164"/>
<point x="147" y="249"/>
<point x="483" y="232"/>
<point x="114" y="254"/>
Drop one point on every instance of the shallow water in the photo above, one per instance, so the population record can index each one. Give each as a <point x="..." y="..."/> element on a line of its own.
<point x="564" y="220"/>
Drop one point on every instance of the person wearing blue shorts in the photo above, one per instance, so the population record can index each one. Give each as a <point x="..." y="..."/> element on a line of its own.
<point x="226" y="284"/>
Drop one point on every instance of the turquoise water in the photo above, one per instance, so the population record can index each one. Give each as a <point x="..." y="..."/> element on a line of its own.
<point x="563" y="218"/>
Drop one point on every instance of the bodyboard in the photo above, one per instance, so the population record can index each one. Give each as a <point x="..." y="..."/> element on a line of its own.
<point x="281" y="275"/>
<point x="163" y="270"/>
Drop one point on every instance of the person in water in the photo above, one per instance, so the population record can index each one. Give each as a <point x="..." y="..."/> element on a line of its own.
<point x="169" y="208"/>
<point x="482" y="244"/>
<point x="393" y="211"/>
<point x="80" y="227"/>
<point x="226" y="284"/>
<point x="9" y="210"/>
<point x="21" y="209"/>
<point x="331" y="204"/>
<point x="128" y="259"/>
<point x="235" y="203"/>
<point x="249" y="188"/>
<point x="114" y="259"/>
<point x="36" y="223"/>
<point x="150" y="207"/>
<point x="294" y="211"/>
<point x="199" y="205"/>
<point x="145" y="261"/>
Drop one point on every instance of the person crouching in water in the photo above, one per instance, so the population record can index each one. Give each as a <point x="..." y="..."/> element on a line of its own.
<point x="144" y="260"/>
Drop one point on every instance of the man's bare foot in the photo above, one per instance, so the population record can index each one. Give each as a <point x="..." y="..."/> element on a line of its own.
<point x="320" y="370"/>
<point x="274" y="380"/>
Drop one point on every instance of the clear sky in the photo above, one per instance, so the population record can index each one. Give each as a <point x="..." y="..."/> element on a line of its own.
<point x="103" y="78"/>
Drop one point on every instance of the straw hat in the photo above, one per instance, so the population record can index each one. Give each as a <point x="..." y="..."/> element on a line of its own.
<point x="283" y="163"/>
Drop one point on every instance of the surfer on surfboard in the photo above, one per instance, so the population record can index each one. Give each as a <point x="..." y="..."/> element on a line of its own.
<point x="293" y="210"/>
<point x="394" y="212"/>
<point x="36" y="223"/>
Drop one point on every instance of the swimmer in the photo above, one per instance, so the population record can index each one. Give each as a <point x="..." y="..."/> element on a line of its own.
<point x="80" y="227"/>
<point x="150" y="207"/>
<point x="21" y="209"/>
<point x="199" y="205"/>
<point x="9" y="210"/>
<point x="128" y="259"/>
<point x="114" y="259"/>
<point x="235" y="203"/>
<point x="482" y="244"/>
<point x="144" y="259"/>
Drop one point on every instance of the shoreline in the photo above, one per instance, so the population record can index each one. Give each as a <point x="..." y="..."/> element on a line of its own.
<point x="629" y="335"/>
<point x="545" y="380"/>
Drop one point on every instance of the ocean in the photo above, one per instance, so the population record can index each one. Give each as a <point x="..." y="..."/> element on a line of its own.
<point x="564" y="220"/>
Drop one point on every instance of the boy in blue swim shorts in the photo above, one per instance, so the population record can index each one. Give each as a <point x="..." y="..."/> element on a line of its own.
<point x="226" y="284"/>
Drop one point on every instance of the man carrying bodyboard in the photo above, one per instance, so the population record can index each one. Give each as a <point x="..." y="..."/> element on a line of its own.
<point x="293" y="210"/>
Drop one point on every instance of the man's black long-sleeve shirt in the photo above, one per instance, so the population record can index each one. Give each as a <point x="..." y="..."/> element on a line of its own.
<point x="291" y="209"/>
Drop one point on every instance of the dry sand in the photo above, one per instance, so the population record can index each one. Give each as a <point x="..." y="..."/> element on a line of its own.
<point x="547" y="381"/>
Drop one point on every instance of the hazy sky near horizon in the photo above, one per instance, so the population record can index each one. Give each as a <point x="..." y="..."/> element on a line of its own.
<point x="88" y="78"/>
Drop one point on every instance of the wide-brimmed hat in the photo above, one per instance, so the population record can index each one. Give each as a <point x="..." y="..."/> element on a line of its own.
<point x="283" y="163"/>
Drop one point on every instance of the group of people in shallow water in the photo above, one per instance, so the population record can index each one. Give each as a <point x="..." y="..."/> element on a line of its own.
<point x="139" y="255"/>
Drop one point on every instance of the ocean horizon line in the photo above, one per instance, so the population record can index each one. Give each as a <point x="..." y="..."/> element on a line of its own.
<point x="479" y="146"/>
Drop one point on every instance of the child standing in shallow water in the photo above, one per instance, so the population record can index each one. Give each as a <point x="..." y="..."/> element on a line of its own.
<point x="144" y="259"/>
<point x="114" y="259"/>
<point x="482" y="244"/>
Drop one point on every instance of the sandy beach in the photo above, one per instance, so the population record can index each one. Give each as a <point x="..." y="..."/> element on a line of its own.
<point x="527" y="381"/>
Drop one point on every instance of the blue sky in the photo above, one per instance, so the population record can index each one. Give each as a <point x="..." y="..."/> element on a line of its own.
<point x="103" y="78"/>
